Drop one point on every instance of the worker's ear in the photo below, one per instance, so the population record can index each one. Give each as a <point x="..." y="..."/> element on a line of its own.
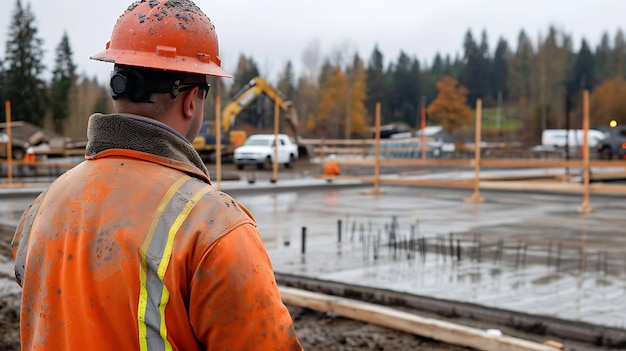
<point x="190" y="104"/>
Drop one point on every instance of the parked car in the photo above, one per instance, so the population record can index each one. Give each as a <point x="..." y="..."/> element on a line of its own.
<point x="614" y="144"/>
<point x="259" y="150"/>
<point x="18" y="147"/>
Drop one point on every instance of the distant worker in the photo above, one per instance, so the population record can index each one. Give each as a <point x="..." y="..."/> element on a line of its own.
<point x="331" y="168"/>
<point x="133" y="249"/>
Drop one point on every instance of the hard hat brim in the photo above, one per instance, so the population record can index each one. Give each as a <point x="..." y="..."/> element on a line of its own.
<point x="150" y="60"/>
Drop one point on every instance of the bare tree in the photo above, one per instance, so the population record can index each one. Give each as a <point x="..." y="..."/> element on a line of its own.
<point x="312" y="60"/>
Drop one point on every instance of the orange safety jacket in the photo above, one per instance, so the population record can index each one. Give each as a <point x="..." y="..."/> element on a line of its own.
<point x="133" y="249"/>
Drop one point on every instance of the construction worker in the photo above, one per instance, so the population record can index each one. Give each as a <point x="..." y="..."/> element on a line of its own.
<point x="133" y="249"/>
<point x="331" y="168"/>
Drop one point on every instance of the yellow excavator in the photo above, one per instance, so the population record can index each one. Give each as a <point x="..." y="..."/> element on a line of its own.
<point x="205" y="142"/>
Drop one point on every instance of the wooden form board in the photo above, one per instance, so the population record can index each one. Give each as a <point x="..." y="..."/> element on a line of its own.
<point x="410" y="323"/>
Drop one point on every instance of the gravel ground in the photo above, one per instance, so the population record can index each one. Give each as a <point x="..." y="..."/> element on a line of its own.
<point x="316" y="331"/>
<point x="9" y="327"/>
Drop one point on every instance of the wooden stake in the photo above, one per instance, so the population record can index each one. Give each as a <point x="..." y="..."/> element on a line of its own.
<point x="218" y="141"/>
<point x="376" y="190"/>
<point x="7" y="106"/>
<point x="476" y="196"/>
<point x="275" y="164"/>
<point x="585" y="207"/>
<point x="423" y="125"/>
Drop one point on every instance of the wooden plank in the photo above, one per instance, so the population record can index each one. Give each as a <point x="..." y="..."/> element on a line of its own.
<point x="410" y="323"/>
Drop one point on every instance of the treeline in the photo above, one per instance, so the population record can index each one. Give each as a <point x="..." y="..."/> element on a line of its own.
<point x="526" y="87"/>
<point x="62" y="104"/>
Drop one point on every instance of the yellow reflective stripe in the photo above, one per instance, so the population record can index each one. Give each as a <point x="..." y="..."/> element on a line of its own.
<point x="167" y="254"/>
<point x="143" y="267"/>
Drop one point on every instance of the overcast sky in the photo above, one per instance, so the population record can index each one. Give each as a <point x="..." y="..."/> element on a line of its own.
<point x="275" y="31"/>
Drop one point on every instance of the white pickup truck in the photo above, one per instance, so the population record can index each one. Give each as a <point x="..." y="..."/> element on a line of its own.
<point x="259" y="150"/>
<point x="557" y="138"/>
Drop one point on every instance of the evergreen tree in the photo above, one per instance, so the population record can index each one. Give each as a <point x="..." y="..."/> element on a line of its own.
<point x="375" y="81"/>
<point x="431" y="76"/>
<point x="500" y="70"/>
<point x="256" y="114"/>
<point x="24" y="87"/>
<point x="455" y="67"/>
<point x="475" y="73"/>
<point x="522" y="87"/>
<point x="286" y="84"/>
<point x="617" y="60"/>
<point x="63" y="77"/>
<point x="582" y="75"/>
<point x="246" y="70"/>
<point x="326" y="73"/>
<point x="553" y="61"/>
<point x="405" y="90"/>
<point x="602" y="57"/>
<point x="521" y="70"/>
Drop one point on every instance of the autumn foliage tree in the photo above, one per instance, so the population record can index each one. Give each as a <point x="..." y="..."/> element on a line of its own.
<point x="356" y="104"/>
<point x="333" y="103"/>
<point x="450" y="108"/>
<point x="607" y="102"/>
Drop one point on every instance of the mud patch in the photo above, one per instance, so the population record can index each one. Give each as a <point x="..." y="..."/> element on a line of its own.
<point x="10" y="326"/>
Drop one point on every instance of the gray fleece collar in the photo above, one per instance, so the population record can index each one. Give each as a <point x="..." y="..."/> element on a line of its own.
<point x="126" y="131"/>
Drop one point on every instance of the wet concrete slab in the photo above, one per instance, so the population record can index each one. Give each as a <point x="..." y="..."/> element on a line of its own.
<point x="551" y="261"/>
<point x="523" y="251"/>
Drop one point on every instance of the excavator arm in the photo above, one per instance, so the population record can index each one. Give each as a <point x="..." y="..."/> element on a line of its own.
<point x="255" y="88"/>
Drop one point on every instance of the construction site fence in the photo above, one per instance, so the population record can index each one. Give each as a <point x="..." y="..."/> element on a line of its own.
<point x="358" y="157"/>
<point x="411" y="148"/>
<point x="19" y="172"/>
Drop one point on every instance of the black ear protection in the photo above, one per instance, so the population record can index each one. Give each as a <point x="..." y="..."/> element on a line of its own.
<point x="129" y="84"/>
<point x="139" y="86"/>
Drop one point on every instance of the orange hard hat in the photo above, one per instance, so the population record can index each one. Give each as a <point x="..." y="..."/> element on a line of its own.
<point x="173" y="35"/>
